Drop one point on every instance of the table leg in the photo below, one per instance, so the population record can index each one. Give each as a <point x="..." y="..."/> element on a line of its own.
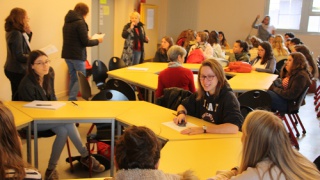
<point x="29" y="144"/>
<point x="112" y="148"/>
<point x="35" y="139"/>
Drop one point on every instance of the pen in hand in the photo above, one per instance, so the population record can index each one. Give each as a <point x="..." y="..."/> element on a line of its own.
<point x="74" y="103"/>
<point x="43" y="104"/>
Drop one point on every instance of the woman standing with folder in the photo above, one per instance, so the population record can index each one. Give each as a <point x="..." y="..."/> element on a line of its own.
<point x="38" y="85"/>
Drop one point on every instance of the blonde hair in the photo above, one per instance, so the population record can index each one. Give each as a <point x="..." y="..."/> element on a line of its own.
<point x="278" y="44"/>
<point x="264" y="136"/>
<point x="135" y="14"/>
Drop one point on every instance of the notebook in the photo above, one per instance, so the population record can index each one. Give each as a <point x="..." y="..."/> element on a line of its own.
<point x="45" y="104"/>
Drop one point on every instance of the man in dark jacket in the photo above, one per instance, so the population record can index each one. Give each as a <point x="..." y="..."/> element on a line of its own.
<point x="75" y="41"/>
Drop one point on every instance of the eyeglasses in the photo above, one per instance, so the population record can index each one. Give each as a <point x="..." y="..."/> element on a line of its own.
<point x="209" y="78"/>
<point x="47" y="62"/>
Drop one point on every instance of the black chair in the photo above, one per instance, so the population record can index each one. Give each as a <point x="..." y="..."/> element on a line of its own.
<point x="99" y="73"/>
<point x="279" y="66"/>
<point x="172" y="97"/>
<point x="123" y="87"/>
<point x="84" y="85"/>
<point x="245" y="110"/>
<point x="256" y="99"/>
<point x="116" y="63"/>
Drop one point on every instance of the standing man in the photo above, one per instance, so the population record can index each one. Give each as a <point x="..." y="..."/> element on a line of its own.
<point x="265" y="30"/>
<point x="75" y="41"/>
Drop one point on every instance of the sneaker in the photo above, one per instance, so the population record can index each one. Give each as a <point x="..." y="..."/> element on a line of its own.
<point x="96" y="166"/>
<point x="51" y="175"/>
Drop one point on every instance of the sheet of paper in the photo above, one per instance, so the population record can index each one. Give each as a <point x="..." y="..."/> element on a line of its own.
<point x="138" y="69"/>
<point x="172" y="125"/>
<point x="45" y="104"/>
<point x="97" y="36"/>
<point x="49" y="49"/>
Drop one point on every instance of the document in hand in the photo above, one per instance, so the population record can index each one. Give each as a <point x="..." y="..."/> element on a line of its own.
<point x="97" y="36"/>
<point x="45" y="104"/>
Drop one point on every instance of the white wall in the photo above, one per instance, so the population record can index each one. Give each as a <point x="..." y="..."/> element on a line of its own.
<point x="46" y="21"/>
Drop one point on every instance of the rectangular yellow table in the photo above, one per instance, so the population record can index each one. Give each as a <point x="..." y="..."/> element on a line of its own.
<point x="240" y="82"/>
<point x="205" y="157"/>
<point x="152" y="116"/>
<point x="84" y="112"/>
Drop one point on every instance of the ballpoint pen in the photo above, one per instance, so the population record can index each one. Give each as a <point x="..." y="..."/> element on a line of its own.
<point x="74" y="103"/>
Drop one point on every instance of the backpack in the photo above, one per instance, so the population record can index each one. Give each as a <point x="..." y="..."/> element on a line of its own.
<point x="239" y="67"/>
<point x="196" y="56"/>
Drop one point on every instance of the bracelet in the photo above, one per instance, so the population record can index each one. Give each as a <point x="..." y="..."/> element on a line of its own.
<point x="181" y="112"/>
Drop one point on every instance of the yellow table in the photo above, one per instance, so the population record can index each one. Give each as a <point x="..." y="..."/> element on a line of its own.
<point x="22" y="120"/>
<point x="152" y="116"/>
<point x="84" y="112"/>
<point x="148" y="78"/>
<point x="204" y="157"/>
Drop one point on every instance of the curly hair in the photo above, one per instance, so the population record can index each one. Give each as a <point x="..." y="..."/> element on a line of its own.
<point x="139" y="148"/>
<point x="15" y="21"/>
<point x="299" y="63"/>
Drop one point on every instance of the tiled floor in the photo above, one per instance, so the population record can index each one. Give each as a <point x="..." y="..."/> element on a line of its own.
<point x="309" y="144"/>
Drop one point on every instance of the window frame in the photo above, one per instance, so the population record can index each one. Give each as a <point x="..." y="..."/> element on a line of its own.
<point x="306" y="11"/>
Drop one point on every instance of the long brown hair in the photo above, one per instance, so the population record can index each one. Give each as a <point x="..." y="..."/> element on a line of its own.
<point x="170" y="41"/>
<point x="299" y="64"/>
<point x="264" y="136"/>
<point x="15" y="20"/>
<point x="307" y="53"/>
<point x="217" y="69"/>
<point x="10" y="151"/>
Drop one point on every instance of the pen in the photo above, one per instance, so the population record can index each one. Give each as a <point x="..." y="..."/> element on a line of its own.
<point x="74" y="103"/>
<point x="43" y="104"/>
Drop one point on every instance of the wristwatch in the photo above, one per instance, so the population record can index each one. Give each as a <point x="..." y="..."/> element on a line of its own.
<point x="204" y="127"/>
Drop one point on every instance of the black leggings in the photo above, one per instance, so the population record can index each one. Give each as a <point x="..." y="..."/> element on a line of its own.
<point x="15" y="79"/>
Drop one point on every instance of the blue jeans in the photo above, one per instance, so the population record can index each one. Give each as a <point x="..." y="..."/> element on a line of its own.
<point x="136" y="57"/>
<point x="63" y="131"/>
<point x="73" y="67"/>
<point x="278" y="103"/>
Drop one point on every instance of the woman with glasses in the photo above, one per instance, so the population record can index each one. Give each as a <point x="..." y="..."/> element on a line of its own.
<point x="38" y="85"/>
<point x="214" y="102"/>
<point x="265" y="61"/>
<point x="18" y="37"/>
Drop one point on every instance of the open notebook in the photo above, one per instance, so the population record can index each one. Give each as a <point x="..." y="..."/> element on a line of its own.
<point x="45" y="104"/>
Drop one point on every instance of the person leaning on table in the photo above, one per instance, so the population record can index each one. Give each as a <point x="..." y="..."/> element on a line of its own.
<point x="12" y="166"/>
<point x="267" y="152"/>
<point x="137" y="155"/>
<point x="214" y="102"/>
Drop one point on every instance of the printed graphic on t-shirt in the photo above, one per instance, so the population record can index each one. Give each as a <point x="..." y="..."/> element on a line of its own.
<point x="209" y="109"/>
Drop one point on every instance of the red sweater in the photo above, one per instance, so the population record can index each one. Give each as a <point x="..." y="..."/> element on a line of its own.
<point x="175" y="77"/>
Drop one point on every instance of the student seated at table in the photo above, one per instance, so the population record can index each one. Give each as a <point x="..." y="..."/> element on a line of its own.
<point x="175" y="75"/>
<point x="267" y="152"/>
<point x="240" y="52"/>
<point x="203" y="45"/>
<point x="313" y="69"/>
<point x="137" y="155"/>
<point x="265" y="62"/>
<point x="294" y="79"/>
<point x="161" y="54"/>
<point x="214" y="102"/>
<point x="12" y="166"/>
<point x="38" y="85"/>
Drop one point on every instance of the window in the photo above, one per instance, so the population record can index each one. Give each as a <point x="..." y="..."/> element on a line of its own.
<point x="295" y="15"/>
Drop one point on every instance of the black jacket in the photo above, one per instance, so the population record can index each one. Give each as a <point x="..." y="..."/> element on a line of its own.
<point x="17" y="52"/>
<point x="75" y="37"/>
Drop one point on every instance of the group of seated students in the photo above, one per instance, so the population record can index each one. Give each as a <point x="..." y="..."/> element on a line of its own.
<point x="266" y="153"/>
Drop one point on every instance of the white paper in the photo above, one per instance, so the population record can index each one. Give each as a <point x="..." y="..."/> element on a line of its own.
<point x="172" y="125"/>
<point x="49" y="49"/>
<point x="97" y="36"/>
<point x="150" y="18"/>
<point x="45" y="104"/>
<point x="138" y="69"/>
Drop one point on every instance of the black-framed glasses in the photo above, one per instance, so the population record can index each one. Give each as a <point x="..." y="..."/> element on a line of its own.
<point x="209" y="78"/>
<point x="47" y="62"/>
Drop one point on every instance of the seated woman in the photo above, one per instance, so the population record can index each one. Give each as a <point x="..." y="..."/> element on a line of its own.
<point x="223" y="41"/>
<point x="13" y="165"/>
<point x="203" y="45"/>
<point x="265" y="62"/>
<point x="214" y="42"/>
<point x="38" y="85"/>
<point x="175" y="75"/>
<point x="294" y="79"/>
<point x="280" y="51"/>
<point x="267" y="152"/>
<point x="313" y="69"/>
<point x="137" y="155"/>
<point x="240" y="52"/>
<point x="255" y="42"/>
<point x="214" y="102"/>
<point x="161" y="54"/>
